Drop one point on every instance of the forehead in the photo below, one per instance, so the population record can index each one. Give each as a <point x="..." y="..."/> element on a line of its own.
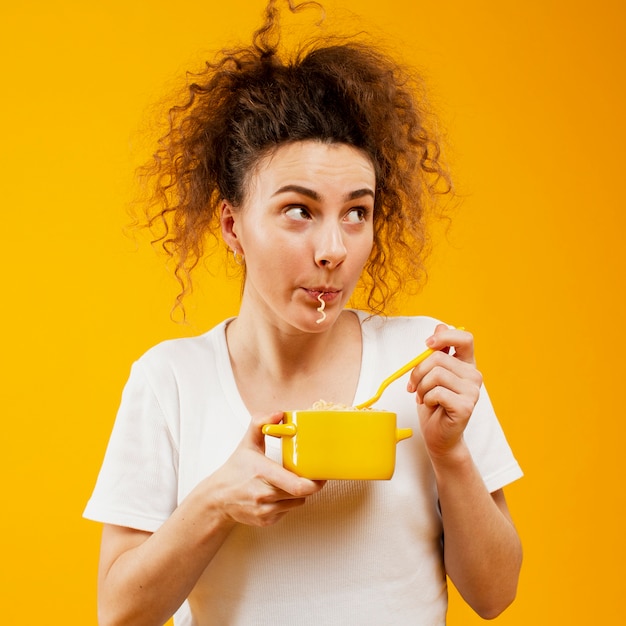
<point x="313" y="163"/>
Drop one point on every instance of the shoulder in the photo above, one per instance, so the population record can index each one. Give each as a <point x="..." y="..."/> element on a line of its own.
<point x="402" y="326"/>
<point x="398" y="338"/>
<point x="173" y="357"/>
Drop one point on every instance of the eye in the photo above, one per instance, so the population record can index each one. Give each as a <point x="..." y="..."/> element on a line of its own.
<point x="297" y="213"/>
<point x="356" y="215"/>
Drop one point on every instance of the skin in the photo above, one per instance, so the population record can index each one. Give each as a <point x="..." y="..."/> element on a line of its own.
<point x="305" y="228"/>
<point x="482" y="550"/>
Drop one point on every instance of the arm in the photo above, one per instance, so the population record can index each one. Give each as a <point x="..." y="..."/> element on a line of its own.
<point x="482" y="551"/>
<point x="144" y="577"/>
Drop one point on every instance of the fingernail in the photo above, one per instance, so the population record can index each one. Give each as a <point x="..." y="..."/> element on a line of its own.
<point x="410" y="387"/>
<point x="430" y="341"/>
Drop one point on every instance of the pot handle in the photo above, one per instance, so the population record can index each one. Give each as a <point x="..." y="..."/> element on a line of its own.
<point x="279" y="430"/>
<point x="403" y="433"/>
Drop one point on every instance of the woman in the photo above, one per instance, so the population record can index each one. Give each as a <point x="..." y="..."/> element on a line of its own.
<point x="320" y="172"/>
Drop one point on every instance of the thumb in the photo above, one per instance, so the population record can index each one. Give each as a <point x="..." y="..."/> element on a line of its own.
<point x="254" y="437"/>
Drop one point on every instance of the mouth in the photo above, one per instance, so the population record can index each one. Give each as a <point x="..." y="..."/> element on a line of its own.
<point x="328" y="294"/>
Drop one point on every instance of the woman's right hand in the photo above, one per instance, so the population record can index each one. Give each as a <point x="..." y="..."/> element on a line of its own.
<point x="144" y="577"/>
<point x="251" y="488"/>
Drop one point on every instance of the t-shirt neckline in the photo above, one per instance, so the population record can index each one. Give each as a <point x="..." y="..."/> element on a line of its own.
<point x="364" y="387"/>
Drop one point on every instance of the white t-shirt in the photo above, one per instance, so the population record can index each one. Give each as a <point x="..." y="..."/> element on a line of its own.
<point x="357" y="553"/>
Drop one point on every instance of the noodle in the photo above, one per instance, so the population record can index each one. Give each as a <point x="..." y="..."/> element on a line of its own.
<point x="323" y="405"/>
<point x="321" y="308"/>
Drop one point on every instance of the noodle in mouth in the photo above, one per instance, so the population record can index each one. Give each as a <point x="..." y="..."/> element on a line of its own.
<point x="321" y="308"/>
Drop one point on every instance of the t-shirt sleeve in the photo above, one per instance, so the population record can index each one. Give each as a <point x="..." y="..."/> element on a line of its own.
<point x="137" y="484"/>
<point x="401" y="339"/>
<point x="489" y="447"/>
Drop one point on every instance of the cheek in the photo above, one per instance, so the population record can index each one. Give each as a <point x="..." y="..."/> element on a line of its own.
<point x="273" y="254"/>
<point x="357" y="260"/>
<point x="366" y="248"/>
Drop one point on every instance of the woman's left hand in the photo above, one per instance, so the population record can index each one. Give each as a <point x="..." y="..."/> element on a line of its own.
<point x="447" y="389"/>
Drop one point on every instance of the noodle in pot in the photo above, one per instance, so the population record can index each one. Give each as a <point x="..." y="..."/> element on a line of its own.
<point x="323" y="405"/>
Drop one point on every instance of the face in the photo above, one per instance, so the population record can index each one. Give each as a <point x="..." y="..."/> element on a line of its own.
<point x="305" y="229"/>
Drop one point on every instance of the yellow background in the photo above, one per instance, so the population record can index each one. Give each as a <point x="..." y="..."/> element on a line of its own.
<point x="532" y="94"/>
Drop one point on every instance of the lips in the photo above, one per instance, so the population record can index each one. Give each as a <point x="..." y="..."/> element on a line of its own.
<point x="328" y="294"/>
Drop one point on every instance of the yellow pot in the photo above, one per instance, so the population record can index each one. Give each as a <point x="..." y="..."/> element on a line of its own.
<point x="329" y="444"/>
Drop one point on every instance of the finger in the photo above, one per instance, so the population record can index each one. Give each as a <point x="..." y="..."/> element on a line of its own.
<point x="254" y="437"/>
<point x="431" y="372"/>
<point x="454" y="391"/>
<point x="440" y="342"/>
<point x="456" y="405"/>
<point x="270" y="514"/>
<point x="441" y="361"/>
<point x="445" y="337"/>
<point x="448" y="371"/>
<point x="258" y="513"/>
<point x="437" y="377"/>
<point x="284" y="484"/>
<point x="281" y="506"/>
<point x="287" y="485"/>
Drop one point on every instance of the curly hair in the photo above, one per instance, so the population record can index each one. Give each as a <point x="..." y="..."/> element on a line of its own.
<point x="252" y="99"/>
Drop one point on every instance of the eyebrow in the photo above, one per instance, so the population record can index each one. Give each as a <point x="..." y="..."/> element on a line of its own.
<point x="311" y="193"/>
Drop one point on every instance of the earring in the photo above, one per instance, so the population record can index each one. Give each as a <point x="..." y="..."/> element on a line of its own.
<point x="239" y="258"/>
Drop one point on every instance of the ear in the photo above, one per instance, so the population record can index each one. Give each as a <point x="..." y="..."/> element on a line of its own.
<point x="229" y="223"/>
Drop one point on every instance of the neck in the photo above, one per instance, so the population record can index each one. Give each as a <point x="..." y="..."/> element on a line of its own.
<point x="280" y="367"/>
<point x="284" y="354"/>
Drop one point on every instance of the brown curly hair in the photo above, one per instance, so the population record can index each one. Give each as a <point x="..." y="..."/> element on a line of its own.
<point x="253" y="99"/>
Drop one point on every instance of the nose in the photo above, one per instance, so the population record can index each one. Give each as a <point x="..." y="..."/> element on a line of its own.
<point x="330" y="249"/>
